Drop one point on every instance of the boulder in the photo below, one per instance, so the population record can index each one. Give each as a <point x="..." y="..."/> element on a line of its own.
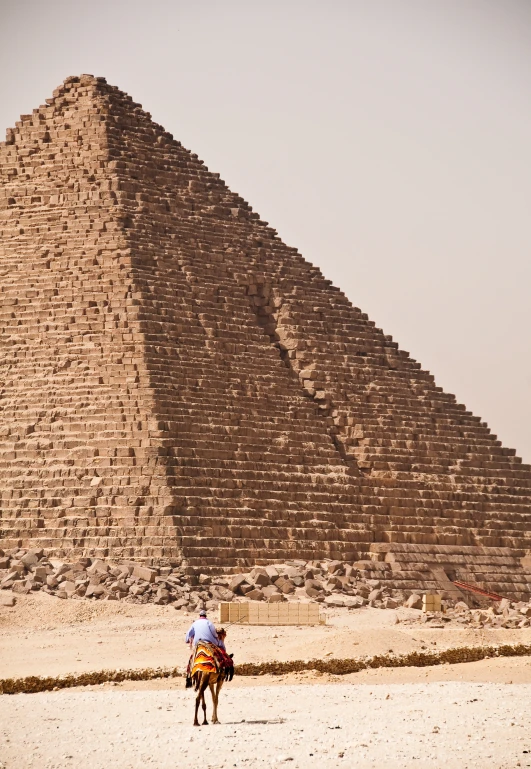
<point x="335" y="600"/>
<point x="220" y="593"/>
<point x="272" y="572"/>
<point x="142" y="572"/>
<point x="389" y="603"/>
<point x="285" y="585"/>
<point x="162" y="596"/>
<point x="12" y="576"/>
<point x="237" y="581"/>
<point x="7" y="599"/>
<point x="100" y="567"/>
<point x="256" y="595"/>
<point x="92" y="590"/>
<point x="261" y="580"/>
<point x="270" y="590"/>
<point x="30" y="559"/>
<point x="414" y="601"/>
<point x="353" y="603"/>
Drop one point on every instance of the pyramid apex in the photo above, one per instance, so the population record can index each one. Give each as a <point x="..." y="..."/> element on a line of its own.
<point x="84" y="79"/>
<point x="74" y="81"/>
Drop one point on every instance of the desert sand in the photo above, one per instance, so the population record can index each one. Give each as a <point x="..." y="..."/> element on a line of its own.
<point x="463" y="715"/>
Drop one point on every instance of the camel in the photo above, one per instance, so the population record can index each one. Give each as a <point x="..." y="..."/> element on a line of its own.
<point x="214" y="680"/>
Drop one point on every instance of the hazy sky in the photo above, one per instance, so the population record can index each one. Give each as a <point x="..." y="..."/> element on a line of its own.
<point x="389" y="140"/>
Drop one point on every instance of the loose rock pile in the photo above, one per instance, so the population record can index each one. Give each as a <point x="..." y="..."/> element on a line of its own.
<point x="501" y="614"/>
<point x="335" y="584"/>
<point x="332" y="583"/>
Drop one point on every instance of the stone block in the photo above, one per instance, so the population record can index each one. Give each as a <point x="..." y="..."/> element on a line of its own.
<point x="142" y="572"/>
<point x="414" y="601"/>
<point x="285" y="586"/>
<point x="237" y="581"/>
<point x="261" y="580"/>
<point x="255" y="595"/>
<point x="7" y="599"/>
<point x="30" y="559"/>
<point x="99" y="567"/>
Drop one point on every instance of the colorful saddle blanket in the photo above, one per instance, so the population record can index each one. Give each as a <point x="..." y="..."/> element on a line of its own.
<point x="210" y="659"/>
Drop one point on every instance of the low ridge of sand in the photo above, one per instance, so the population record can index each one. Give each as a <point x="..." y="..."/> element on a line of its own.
<point x="43" y="635"/>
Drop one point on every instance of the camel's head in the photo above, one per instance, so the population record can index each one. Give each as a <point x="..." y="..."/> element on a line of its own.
<point x="222" y="633"/>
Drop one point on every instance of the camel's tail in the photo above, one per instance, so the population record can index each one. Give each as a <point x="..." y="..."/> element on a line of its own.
<point x="195" y="680"/>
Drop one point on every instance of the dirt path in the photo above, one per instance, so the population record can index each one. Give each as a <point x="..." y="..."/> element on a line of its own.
<point x="396" y="725"/>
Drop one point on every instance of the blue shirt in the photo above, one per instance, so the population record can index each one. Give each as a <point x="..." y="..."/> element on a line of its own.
<point x="203" y="630"/>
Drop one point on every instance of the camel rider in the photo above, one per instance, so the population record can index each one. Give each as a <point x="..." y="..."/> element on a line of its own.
<point x="203" y="630"/>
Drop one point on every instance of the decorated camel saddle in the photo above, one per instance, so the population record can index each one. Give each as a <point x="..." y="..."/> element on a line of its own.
<point x="208" y="658"/>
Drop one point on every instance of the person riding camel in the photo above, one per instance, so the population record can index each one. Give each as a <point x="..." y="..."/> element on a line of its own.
<point x="203" y="630"/>
<point x="208" y="652"/>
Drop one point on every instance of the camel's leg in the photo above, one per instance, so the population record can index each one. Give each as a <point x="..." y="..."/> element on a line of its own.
<point x="215" y="689"/>
<point x="203" y="702"/>
<point x="212" y="686"/>
<point x="197" y="700"/>
<point x="200" y="698"/>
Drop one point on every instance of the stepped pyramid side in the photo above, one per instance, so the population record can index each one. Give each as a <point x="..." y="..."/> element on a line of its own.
<point x="79" y="467"/>
<point x="260" y="415"/>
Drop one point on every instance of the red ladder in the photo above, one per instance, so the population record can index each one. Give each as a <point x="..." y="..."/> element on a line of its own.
<point x="478" y="590"/>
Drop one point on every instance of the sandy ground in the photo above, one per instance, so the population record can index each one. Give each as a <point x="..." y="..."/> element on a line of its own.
<point x="393" y="725"/>
<point x="468" y="715"/>
<point x="43" y="635"/>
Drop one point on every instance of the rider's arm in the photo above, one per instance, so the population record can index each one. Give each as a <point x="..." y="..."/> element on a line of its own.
<point x="212" y="629"/>
<point x="190" y="635"/>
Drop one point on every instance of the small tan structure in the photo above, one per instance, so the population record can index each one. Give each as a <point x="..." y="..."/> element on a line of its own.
<point x="258" y="613"/>
<point x="431" y="602"/>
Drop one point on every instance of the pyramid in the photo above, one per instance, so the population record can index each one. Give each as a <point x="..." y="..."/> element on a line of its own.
<point x="178" y="385"/>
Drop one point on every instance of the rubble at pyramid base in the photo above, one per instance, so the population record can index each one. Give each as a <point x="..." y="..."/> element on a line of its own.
<point x="332" y="584"/>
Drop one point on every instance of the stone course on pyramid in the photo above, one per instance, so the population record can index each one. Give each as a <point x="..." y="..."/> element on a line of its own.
<point x="176" y="383"/>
